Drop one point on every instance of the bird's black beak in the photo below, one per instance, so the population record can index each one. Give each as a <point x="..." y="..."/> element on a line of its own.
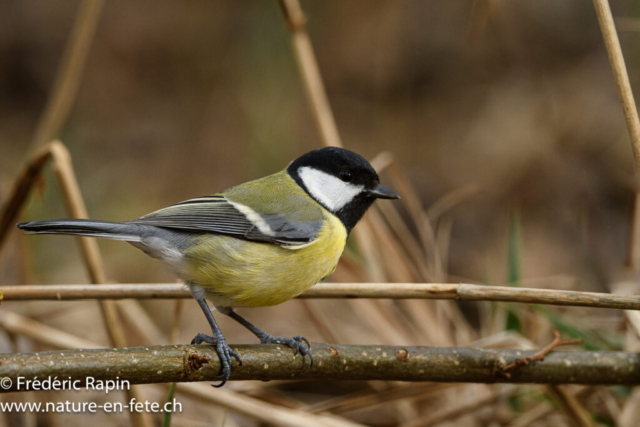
<point x="382" y="192"/>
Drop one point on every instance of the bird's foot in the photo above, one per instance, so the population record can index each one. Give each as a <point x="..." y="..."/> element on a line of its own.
<point x="224" y="353"/>
<point x="296" y="343"/>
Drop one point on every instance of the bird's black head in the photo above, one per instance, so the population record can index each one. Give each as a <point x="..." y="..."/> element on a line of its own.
<point x="341" y="181"/>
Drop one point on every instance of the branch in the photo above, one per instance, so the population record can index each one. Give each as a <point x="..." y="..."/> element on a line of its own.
<point x="186" y="363"/>
<point x="461" y="292"/>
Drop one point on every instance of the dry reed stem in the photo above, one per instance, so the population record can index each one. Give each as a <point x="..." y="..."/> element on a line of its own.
<point x="20" y="191"/>
<point x="320" y="321"/>
<point x="369" y="398"/>
<point x="70" y="72"/>
<point x="400" y="329"/>
<point x="136" y="316"/>
<point x="579" y="416"/>
<point x="405" y="236"/>
<point x="446" y="291"/>
<point x="443" y="240"/>
<point x="415" y="259"/>
<point x="259" y="410"/>
<point x="541" y="410"/>
<point x="451" y="200"/>
<point x="447" y="317"/>
<point x="633" y="317"/>
<point x="174" y="363"/>
<point x="74" y="204"/>
<point x="175" y="322"/>
<point x="478" y="20"/>
<point x="459" y="408"/>
<point x="633" y="252"/>
<point x="75" y="207"/>
<point x="630" y="413"/>
<point x="14" y="323"/>
<point x="325" y="121"/>
<point x="381" y="161"/>
<point x="411" y="200"/>
<point x="610" y="403"/>
<point x="612" y="44"/>
<point x="310" y="73"/>
<point x="621" y="77"/>
<point x="393" y="257"/>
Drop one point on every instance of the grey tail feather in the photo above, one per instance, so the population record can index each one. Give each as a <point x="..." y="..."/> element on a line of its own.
<point x="84" y="227"/>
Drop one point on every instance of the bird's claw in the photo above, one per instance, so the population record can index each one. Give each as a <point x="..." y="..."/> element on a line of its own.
<point x="225" y="353"/>
<point x="200" y="338"/>
<point x="296" y="343"/>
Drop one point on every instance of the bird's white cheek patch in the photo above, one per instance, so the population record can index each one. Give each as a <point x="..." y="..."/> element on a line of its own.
<point x="328" y="189"/>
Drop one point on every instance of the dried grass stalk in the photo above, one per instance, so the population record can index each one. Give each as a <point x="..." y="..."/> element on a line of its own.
<point x="446" y="291"/>
<point x="612" y="44"/>
<point x="70" y="72"/>
<point x="310" y="73"/>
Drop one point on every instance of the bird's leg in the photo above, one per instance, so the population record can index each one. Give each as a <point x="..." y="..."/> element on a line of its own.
<point x="295" y="342"/>
<point x="222" y="348"/>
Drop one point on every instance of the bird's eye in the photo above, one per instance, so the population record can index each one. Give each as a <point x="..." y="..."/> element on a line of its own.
<point x="346" y="176"/>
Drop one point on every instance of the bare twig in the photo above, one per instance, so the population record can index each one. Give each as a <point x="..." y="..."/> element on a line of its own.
<point x="612" y="43"/>
<point x="177" y="363"/>
<point x="446" y="291"/>
<point x="539" y="356"/>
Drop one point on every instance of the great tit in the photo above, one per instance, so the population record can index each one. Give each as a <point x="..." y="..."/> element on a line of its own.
<point x="258" y="244"/>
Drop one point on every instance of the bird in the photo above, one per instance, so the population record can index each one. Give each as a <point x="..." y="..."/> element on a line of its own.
<point x="257" y="244"/>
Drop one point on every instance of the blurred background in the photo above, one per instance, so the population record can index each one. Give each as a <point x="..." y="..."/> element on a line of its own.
<point x="503" y="120"/>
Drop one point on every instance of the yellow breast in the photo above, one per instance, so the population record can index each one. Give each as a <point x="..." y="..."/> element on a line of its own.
<point x="240" y="273"/>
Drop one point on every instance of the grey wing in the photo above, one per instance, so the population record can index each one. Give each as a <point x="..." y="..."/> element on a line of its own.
<point x="216" y="214"/>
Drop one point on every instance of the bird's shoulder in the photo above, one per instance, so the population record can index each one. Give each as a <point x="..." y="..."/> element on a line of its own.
<point x="276" y="194"/>
<point x="272" y="209"/>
